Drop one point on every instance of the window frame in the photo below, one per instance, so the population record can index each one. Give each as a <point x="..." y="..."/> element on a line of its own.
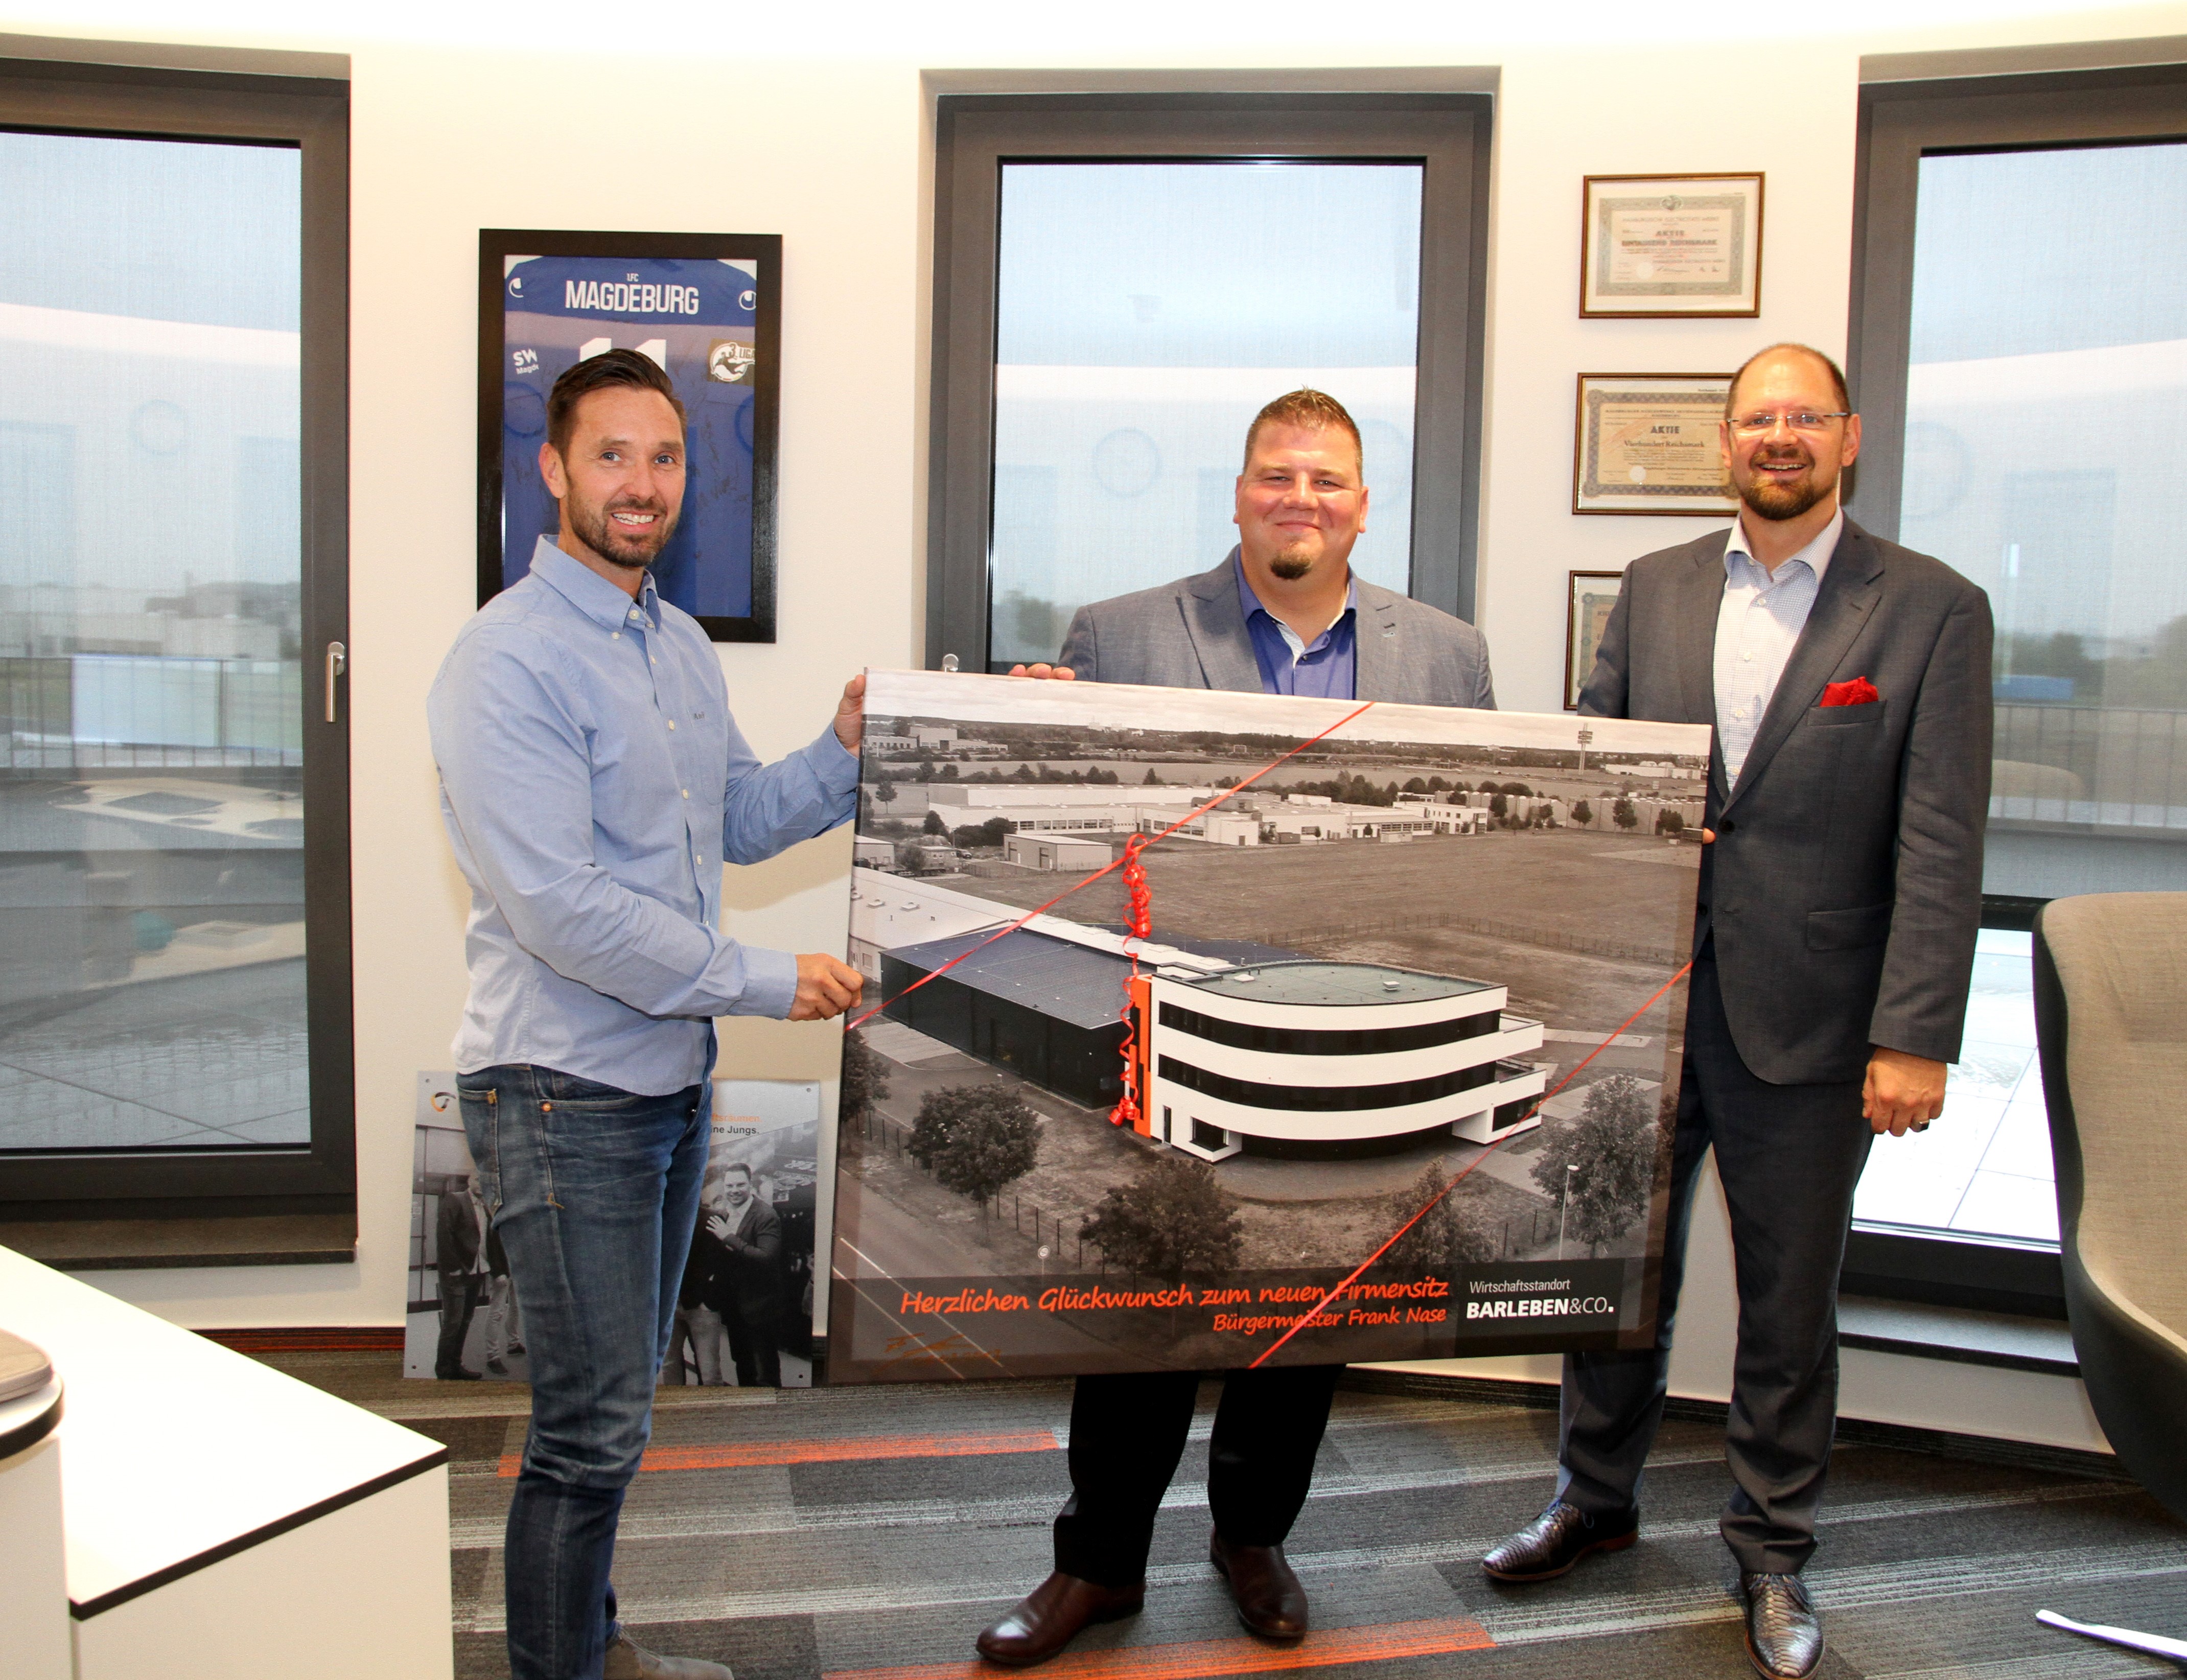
<point x="127" y="90"/>
<point x="1448" y="134"/>
<point x="1899" y="123"/>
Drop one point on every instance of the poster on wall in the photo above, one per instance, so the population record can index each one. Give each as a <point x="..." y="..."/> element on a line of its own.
<point x="1649" y="443"/>
<point x="743" y="1316"/>
<point x="1204" y="1029"/>
<point x="705" y="307"/>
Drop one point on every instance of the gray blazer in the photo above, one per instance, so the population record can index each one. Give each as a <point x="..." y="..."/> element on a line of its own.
<point x="1190" y="634"/>
<point x="1844" y="888"/>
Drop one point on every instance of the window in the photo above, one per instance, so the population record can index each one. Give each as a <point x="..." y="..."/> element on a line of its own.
<point x="174" y="961"/>
<point x="2020" y="340"/>
<point x="1123" y="281"/>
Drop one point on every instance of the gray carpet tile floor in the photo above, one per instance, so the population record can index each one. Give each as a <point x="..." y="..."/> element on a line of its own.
<point x="757" y="1542"/>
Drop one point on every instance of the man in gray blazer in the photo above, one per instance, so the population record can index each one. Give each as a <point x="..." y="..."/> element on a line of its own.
<point x="1849" y="680"/>
<point x="1282" y="614"/>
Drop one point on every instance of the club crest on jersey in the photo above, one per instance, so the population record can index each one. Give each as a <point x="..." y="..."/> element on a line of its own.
<point x="728" y="360"/>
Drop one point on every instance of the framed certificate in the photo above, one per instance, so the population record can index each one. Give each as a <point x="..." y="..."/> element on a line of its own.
<point x="1647" y="443"/>
<point x="706" y="308"/>
<point x="1671" y="244"/>
<point x="1588" y="598"/>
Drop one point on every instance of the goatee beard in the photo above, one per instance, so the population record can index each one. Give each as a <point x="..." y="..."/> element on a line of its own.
<point x="1291" y="564"/>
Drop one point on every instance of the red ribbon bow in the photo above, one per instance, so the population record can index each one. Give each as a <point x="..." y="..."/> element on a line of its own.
<point x="1859" y="692"/>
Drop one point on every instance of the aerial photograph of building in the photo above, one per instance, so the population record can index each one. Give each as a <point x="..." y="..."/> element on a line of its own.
<point x="1429" y="942"/>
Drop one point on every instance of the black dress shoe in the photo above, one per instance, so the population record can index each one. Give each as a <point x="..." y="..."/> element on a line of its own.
<point x="1270" y="1601"/>
<point x="462" y="1374"/>
<point x="1783" y="1639"/>
<point x="1559" y="1538"/>
<point x="1052" y="1615"/>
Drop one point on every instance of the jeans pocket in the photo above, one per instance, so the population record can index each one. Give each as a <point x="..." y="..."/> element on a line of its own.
<point x="478" y="1097"/>
<point x="567" y="1091"/>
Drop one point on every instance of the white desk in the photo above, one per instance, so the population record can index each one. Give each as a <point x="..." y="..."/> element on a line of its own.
<point x="222" y="1519"/>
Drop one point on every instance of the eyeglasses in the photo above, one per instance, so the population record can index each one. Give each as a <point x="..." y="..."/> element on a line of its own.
<point x="1753" y="425"/>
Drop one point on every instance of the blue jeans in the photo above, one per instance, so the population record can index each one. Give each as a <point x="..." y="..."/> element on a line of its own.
<point x="594" y="1192"/>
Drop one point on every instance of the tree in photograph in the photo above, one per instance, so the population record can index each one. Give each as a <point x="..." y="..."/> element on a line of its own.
<point x="1024" y="772"/>
<point x="908" y="856"/>
<point x="1436" y="784"/>
<point x="1500" y="806"/>
<point x="976" y="1138"/>
<point x="1450" y="1234"/>
<point x="948" y="773"/>
<point x="1416" y="786"/>
<point x="1488" y="787"/>
<point x="990" y="834"/>
<point x="925" y="769"/>
<point x="1624" y="816"/>
<point x="865" y="1078"/>
<point x="936" y="825"/>
<point x="1669" y="822"/>
<point x="884" y="792"/>
<point x="1520" y="789"/>
<point x="1151" y="780"/>
<point x="1174" y="1220"/>
<point x="1583" y="814"/>
<point x="1612" y="1143"/>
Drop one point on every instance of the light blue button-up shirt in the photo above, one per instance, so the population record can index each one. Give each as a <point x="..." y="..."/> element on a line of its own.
<point x="1756" y="627"/>
<point x="593" y="784"/>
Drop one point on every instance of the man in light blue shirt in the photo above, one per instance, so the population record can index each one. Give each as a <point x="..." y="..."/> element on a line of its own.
<point x="593" y="784"/>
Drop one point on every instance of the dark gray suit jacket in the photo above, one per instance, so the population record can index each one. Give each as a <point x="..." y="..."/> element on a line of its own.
<point x="1190" y="634"/>
<point x="1844" y="888"/>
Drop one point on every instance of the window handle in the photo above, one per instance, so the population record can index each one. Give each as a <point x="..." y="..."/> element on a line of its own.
<point x="337" y="664"/>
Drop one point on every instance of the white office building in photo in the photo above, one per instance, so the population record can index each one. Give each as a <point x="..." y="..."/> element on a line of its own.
<point x="1321" y="1054"/>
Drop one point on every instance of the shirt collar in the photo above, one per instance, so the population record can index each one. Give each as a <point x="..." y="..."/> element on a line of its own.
<point x="589" y="593"/>
<point x="1817" y="553"/>
<point x="1250" y="604"/>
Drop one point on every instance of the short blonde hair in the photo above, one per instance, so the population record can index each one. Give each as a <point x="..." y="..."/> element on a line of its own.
<point x="1310" y="410"/>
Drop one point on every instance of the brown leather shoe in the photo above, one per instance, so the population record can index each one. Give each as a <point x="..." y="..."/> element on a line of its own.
<point x="1052" y="1615"/>
<point x="1270" y="1601"/>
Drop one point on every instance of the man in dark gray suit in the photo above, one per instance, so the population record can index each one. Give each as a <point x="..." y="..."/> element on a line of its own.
<point x="1281" y="615"/>
<point x="1849" y="680"/>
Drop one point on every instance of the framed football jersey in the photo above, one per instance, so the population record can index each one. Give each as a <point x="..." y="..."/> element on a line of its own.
<point x="707" y="308"/>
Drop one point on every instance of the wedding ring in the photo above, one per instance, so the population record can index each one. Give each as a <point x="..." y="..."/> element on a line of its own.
<point x="1919" y="1125"/>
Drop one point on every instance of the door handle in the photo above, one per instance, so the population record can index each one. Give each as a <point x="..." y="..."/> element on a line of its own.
<point x="337" y="664"/>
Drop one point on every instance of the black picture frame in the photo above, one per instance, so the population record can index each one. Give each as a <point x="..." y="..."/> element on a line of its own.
<point x="762" y="253"/>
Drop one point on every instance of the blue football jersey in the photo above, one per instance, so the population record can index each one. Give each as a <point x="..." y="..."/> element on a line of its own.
<point x="697" y="320"/>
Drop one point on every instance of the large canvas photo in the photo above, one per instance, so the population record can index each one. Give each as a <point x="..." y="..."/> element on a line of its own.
<point x="1388" y="1073"/>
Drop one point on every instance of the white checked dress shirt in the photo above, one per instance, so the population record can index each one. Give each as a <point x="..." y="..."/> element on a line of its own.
<point x="1756" y="627"/>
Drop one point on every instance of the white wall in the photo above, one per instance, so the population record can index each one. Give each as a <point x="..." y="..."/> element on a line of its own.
<point x="813" y="123"/>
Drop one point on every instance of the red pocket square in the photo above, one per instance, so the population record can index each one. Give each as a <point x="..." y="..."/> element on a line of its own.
<point x="1859" y="692"/>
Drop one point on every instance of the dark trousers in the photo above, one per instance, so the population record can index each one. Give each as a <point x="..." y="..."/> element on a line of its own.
<point x="1788" y="1157"/>
<point x="752" y="1343"/>
<point x="459" y="1297"/>
<point x="1128" y="1432"/>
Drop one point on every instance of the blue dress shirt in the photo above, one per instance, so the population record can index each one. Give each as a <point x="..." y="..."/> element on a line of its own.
<point x="1757" y="624"/>
<point x="1327" y="667"/>
<point x="593" y="784"/>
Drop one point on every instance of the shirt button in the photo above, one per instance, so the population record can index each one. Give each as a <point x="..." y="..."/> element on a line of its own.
<point x="1748" y="657"/>
<point x="615" y="635"/>
<point x="671" y="723"/>
<point x="1740" y="715"/>
<point x="687" y="793"/>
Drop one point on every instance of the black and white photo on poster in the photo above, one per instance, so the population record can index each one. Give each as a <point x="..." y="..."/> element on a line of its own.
<point x="744" y="1309"/>
<point x="1431" y="943"/>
